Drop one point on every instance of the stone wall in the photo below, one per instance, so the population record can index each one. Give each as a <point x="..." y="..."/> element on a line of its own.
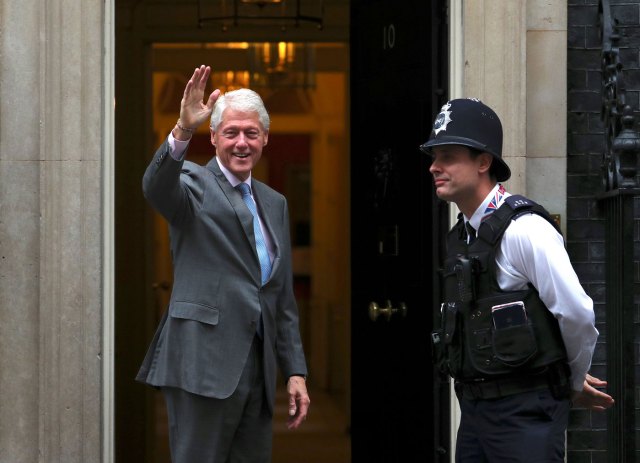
<point x="51" y="230"/>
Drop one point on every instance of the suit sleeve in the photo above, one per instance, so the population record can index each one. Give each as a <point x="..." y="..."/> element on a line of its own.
<point x="288" y="342"/>
<point x="171" y="186"/>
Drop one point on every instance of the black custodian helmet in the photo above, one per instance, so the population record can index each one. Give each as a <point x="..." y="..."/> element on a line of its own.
<point x="469" y="122"/>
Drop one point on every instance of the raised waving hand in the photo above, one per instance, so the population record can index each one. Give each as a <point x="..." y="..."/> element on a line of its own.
<point x="193" y="110"/>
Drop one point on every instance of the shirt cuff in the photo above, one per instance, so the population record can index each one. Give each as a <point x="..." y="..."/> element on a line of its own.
<point x="178" y="147"/>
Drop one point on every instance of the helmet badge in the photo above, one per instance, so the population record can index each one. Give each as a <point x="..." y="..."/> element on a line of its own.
<point x="443" y="119"/>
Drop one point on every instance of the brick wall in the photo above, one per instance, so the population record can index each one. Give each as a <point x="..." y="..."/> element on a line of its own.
<point x="586" y="143"/>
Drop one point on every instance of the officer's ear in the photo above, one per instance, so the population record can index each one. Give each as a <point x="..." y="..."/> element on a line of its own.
<point x="484" y="162"/>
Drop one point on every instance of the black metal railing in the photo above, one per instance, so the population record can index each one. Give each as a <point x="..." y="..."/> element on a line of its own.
<point x="619" y="174"/>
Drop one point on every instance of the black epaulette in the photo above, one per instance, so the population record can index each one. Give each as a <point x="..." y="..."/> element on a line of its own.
<point x="513" y="207"/>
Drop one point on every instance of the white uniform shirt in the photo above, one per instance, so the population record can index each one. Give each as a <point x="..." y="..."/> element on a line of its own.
<point x="531" y="250"/>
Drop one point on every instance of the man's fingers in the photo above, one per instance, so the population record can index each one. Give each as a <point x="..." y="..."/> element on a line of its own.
<point x="213" y="98"/>
<point x="303" y="410"/>
<point x="296" y="420"/>
<point x="595" y="381"/>
<point x="198" y="79"/>
<point x="298" y="401"/>
<point x="204" y="74"/>
<point x="193" y="111"/>
<point x="593" y="399"/>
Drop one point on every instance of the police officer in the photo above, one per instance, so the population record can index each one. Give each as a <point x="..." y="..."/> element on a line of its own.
<point x="517" y="332"/>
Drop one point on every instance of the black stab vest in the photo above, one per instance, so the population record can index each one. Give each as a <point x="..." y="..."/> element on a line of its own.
<point x="475" y="342"/>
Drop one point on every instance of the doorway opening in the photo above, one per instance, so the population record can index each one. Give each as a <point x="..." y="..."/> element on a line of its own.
<point x="307" y="160"/>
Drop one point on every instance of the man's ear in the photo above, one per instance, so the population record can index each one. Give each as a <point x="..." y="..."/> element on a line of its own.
<point x="485" y="162"/>
<point x="213" y="134"/>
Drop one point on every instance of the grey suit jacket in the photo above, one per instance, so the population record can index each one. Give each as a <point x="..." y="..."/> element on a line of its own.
<point x="204" y="338"/>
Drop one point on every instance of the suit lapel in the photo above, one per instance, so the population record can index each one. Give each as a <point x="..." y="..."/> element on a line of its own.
<point x="235" y="199"/>
<point x="265" y="205"/>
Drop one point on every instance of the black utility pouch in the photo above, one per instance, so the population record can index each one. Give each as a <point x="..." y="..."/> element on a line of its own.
<point x="513" y="339"/>
<point x="452" y="336"/>
<point x="445" y="342"/>
<point x="437" y="350"/>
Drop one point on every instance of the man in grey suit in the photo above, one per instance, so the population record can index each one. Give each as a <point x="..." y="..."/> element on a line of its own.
<point x="232" y="315"/>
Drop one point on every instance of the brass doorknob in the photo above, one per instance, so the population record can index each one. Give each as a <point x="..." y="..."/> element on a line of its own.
<point x="376" y="311"/>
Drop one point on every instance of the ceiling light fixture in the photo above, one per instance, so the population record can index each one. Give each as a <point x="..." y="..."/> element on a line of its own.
<point x="281" y="13"/>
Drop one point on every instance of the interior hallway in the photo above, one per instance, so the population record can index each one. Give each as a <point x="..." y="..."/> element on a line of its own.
<point x="323" y="438"/>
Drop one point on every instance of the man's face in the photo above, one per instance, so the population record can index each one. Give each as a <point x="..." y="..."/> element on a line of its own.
<point x="239" y="140"/>
<point x="457" y="173"/>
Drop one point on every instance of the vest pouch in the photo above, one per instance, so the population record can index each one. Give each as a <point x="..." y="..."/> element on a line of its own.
<point x="438" y="350"/>
<point x="452" y="334"/>
<point x="514" y="345"/>
<point x="510" y="332"/>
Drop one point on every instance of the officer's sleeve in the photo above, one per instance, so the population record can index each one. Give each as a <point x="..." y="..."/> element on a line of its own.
<point x="533" y="251"/>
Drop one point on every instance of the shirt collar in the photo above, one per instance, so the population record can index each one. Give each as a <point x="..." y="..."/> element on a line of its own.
<point x="491" y="203"/>
<point x="233" y="180"/>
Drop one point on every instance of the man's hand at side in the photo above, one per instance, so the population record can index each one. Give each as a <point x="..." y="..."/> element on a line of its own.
<point x="298" y="401"/>
<point x="590" y="397"/>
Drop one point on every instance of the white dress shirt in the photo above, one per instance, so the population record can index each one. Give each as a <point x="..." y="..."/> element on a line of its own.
<point x="531" y="250"/>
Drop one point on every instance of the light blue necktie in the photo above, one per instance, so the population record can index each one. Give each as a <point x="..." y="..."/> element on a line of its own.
<point x="261" y="245"/>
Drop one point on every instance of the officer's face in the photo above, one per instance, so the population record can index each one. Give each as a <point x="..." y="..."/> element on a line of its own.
<point x="458" y="174"/>
<point x="239" y="140"/>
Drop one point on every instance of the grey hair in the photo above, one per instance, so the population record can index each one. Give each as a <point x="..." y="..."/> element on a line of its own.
<point x="243" y="99"/>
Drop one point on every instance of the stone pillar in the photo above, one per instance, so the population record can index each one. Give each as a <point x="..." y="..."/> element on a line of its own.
<point x="20" y="98"/>
<point x="515" y="55"/>
<point x="547" y="105"/>
<point x="51" y="230"/>
<point x="495" y="72"/>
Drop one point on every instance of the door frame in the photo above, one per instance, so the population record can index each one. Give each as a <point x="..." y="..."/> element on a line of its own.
<point x="456" y="85"/>
<point x="108" y="236"/>
<point x="456" y="68"/>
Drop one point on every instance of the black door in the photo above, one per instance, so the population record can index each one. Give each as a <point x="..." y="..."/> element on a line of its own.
<point x="398" y="75"/>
